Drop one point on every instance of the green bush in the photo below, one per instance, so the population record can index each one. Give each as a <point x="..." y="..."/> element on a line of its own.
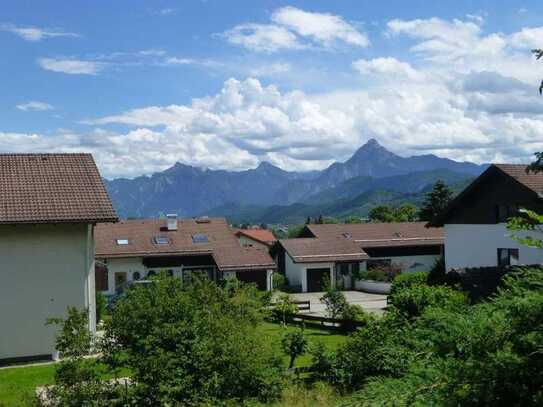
<point x="283" y="308"/>
<point x="437" y="274"/>
<point x="78" y="380"/>
<point x="374" y="350"/>
<point x="294" y="344"/>
<point x="101" y="306"/>
<point x="413" y="299"/>
<point x="321" y="362"/>
<point x="335" y="302"/>
<point x="488" y="354"/>
<point x="409" y="279"/>
<point x="279" y="281"/>
<point x="193" y="344"/>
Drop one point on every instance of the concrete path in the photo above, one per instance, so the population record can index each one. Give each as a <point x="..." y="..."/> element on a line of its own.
<point x="369" y="302"/>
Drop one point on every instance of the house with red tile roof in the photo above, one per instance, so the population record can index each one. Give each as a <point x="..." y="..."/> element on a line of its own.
<point x="135" y="249"/>
<point x="475" y="221"/>
<point x="262" y="238"/>
<point x="335" y="252"/>
<point x="49" y="206"/>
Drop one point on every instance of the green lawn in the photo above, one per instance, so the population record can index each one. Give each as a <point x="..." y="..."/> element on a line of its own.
<point x="330" y="339"/>
<point x="17" y="384"/>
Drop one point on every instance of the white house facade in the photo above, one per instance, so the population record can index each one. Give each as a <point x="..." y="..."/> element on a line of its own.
<point x="469" y="246"/>
<point x="46" y="247"/>
<point x="136" y="249"/>
<point x="475" y="225"/>
<point x="333" y="254"/>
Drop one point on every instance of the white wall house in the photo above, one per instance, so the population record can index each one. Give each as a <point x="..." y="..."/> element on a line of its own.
<point x="50" y="206"/>
<point x="475" y="222"/>
<point x="334" y="253"/>
<point x="135" y="249"/>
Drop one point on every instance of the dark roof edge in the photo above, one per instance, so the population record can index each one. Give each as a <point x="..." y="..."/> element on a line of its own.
<point x="439" y="221"/>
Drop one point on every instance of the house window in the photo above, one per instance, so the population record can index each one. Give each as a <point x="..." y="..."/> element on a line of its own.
<point x="378" y="264"/>
<point x="200" y="238"/>
<point x="356" y="268"/>
<point x="122" y="242"/>
<point x="161" y="240"/>
<point x="508" y="257"/>
<point x="504" y="212"/>
<point x="344" y="268"/>
<point x="136" y="275"/>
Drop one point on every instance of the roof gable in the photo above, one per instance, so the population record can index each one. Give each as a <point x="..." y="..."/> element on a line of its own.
<point x="260" y="235"/>
<point x="512" y="178"/>
<point x="368" y="235"/>
<point x="52" y="188"/>
<point x="317" y="250"/>
<point x="220" y="242"/>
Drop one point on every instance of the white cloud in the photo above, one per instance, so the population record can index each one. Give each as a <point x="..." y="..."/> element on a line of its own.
<point x="528" y="38"/>
<point x="262" y="37"/>
<point x="465" y="94"/>
<point x="34" y="106"/>
<point x="270" y="69"/>
<point x="71" y="66"/>
<point x="326" y="29"/>
<point x="165" y="11"/>
<point x="388" y="67"/>
<point x="293" y="28"/>
<point x="35" y="34"/>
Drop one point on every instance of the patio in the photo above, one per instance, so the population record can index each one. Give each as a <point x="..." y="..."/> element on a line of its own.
<point x="369" y="302"/>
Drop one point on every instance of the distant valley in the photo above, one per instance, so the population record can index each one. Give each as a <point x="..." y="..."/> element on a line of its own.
<point x="268" y="194"/>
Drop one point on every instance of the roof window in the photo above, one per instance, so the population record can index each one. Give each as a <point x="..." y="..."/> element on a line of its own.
<point x="161" y="240"/>
<point x="200" y="238"/>
<point x="122" y="242"/>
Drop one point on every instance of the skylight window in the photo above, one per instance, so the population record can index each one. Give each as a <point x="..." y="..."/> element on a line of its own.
<point x="122" y="242"/>
<point x="200" y="238"/>
<point x="161" y="240"/>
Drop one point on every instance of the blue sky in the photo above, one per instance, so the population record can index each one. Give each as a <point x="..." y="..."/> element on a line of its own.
<point x="301" y="84"/>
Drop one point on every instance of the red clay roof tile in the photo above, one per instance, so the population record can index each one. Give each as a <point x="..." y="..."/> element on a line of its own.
<point x="52" y="188"/>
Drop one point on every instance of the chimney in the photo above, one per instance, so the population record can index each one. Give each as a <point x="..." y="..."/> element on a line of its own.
<point x="172" y="221"/>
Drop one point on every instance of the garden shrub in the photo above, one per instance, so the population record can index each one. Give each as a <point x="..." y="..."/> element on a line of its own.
<point x="283" y="308"/>
<point x="78" y="380"/>
<point x="488" y="354"/>
<point x="437" y="274"/>
<point x="197" y="344"/>
<point x="405" y="280"/>
<point x="374" y="350"/>
<point x="321" y="361"/>
<point x="279" y="281"/>
<point x="101" y="306"/>
<point x="412" y="300"/>
<point x="384" y="273"/>
<point x="294" y="344"/>
<point x="335" y="302"/>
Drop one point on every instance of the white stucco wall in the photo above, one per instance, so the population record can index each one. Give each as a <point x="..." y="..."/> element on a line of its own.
<point x="477" y="246"/>
<point x="43" y="270"/>
<point x="131" y="265"/>
<point x="127" y="265"/>
<point x="297" y="272"/>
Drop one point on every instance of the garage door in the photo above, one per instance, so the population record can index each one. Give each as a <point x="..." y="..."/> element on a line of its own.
<point x="316" y="279"/>
<point x="257" y="277"/>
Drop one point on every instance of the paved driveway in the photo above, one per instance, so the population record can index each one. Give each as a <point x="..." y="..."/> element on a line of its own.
<point x="369" y="302"/>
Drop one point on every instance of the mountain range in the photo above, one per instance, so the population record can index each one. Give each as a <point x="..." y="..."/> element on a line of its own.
<point x="268" y="194"/>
